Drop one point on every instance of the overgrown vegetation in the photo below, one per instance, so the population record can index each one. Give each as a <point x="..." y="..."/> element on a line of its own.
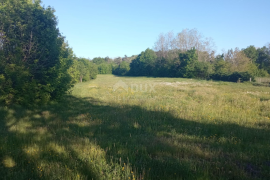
<point x="36" y="65"/>
<point x="184" y="129"/>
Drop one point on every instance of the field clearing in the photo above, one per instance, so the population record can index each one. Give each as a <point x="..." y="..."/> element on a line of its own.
<point x="141" y="128"/>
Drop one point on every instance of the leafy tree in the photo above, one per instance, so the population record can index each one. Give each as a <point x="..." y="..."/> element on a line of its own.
<point x="129" y="59"/>
<point x="144" y="64"/>
<point x="105" y="68"/>
<point x="104" y="65"/>
<point x="93" y="70"/>
<point x="252" y="53"/>
<point x="32" y="68"/>
<point x="136" y="67"/>
<point x="221" y="67"/>
<point x="165" y="67"/>
<point x="82" y="69"/>
<point x="73" y="71"/>
<point x="63" y="77"/>
<point x="87" y="70"/>
<point x="256" y="72"/>
<point x="122" y="69"/>
<point x="98" y="60"/>
<point x="239" y="62"/>
<point x="118" y="60"/>
<point x="188" y="62"/>
<point x="264" y="58"/>
<point x="223" y="70"/>
<point x="203" y="69"/>
<point x="108" y="60"/>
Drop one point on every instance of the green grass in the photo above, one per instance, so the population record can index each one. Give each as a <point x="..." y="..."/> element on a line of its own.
<point x="185" y="129"/>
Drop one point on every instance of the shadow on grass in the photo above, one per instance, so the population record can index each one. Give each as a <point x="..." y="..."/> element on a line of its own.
<point x="88" y="139"/>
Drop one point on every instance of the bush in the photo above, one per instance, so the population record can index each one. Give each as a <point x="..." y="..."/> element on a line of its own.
<point x="104" y="68"/>
<point x="84" y="69"/>
<point x="122" y="69"/>
<point x="233" y="77"/>
<point x="33" y="68"/>
<point x="203" y="69"/>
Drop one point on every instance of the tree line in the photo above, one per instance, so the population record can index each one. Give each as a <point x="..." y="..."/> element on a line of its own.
<point x="117" y="66"/>
<point x="188" y="54"/>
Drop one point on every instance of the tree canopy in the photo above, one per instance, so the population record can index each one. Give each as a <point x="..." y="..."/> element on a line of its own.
<point x="36" y="64"/>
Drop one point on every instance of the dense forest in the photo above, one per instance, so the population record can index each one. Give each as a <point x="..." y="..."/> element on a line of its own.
<point x="37" y="65"/>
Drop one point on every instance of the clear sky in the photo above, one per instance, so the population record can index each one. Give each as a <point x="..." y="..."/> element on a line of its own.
<point x="117" y="27"/>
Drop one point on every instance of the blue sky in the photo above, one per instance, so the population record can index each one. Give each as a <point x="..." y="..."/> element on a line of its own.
<point x="117" y="27"/>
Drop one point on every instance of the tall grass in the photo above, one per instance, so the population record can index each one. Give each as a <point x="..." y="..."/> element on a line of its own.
<point x="178" y="129"/>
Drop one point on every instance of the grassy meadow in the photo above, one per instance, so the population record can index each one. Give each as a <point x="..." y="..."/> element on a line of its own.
<point x="152" y="128"/>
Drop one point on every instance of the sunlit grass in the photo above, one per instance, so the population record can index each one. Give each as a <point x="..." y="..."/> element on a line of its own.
<point x="179" y="129"/>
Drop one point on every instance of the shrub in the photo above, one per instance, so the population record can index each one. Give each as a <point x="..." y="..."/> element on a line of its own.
<point x="32" y="68"/>
<point x="233" y="77"/>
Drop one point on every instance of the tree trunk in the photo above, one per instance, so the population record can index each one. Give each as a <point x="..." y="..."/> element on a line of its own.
<point x="81" y="78"/>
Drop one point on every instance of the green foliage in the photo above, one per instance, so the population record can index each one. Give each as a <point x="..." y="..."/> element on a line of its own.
<point x="164" y="67"/>
<point x="144" y="64"/>
<point x="122" y="69"/>
<point x="221" y="67"/>
<point x="99" y="60"/>
<point x="251" y="52"/>
<point x="256" y="72"/>
<point x="82" y="68"/>
<point x="234" y="77"/>
<point x="203" y="70"/>
<point x="93" y="70"/>
<point x="108" y="60"/>
<point x="237" y="64"/>
<point x="105" y="65"/>
<point x="187" y="65"/>
<point x="188" y="61"/>
<point x="221" y="71"/>
<point x="74" y="72"/>
<point x="33" y="57"/>
<point x="87" y="70"/>
<point x="64" y="80"/>
<point x="264" y="58"/>
<point x="104" y="68"/>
